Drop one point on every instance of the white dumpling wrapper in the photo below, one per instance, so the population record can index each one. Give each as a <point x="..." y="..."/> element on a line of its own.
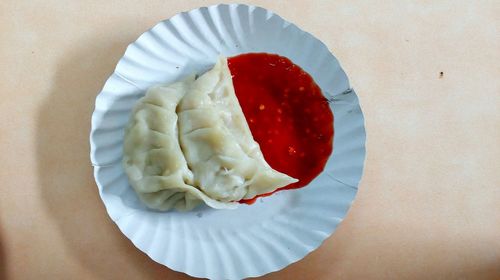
<point x="226" y="161"/>
<point x="152" y="157"/>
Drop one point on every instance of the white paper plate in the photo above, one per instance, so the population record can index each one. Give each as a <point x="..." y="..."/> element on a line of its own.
<point x="254" y="239"/>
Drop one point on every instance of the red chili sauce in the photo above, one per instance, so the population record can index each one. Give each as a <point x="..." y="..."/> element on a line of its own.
<point x="287" y="113"/>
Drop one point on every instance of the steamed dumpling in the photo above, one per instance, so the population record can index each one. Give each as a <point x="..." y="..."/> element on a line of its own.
<point x="227" y="163"/>
<point x="152" y="157"/>
<point x="189" y="142"/>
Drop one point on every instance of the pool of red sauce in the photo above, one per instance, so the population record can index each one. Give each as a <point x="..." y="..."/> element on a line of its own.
<point x="287" y="113"/>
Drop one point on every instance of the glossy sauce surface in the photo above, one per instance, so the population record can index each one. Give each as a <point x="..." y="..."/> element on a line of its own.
<point x="287" y="113"/>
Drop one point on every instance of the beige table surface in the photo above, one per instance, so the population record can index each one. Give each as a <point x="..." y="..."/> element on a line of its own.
<point x="429" y="202"/>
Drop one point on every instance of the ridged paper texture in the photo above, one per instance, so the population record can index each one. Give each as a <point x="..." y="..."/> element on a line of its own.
<point x="252" y="240"/>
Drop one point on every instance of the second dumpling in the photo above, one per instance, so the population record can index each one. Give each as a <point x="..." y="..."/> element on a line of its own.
<point x="217" y="143"/>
